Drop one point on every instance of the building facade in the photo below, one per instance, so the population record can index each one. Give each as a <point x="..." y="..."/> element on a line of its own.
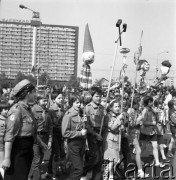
<point x="56" y="49"/>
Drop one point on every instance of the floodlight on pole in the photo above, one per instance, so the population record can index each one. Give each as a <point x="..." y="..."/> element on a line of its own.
<point x="35" y="22"/>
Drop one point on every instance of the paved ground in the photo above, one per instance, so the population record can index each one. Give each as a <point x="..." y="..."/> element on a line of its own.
<point x="154" y="172"/>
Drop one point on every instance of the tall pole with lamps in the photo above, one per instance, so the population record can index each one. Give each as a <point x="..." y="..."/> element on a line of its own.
<point x="35" y="23"/>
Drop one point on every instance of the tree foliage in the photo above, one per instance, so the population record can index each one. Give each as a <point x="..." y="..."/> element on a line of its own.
<point x="20" y="76"/>
<point x="4" y="82"/>
<point x="44" y="79"/>
<point x="74" y="82"/>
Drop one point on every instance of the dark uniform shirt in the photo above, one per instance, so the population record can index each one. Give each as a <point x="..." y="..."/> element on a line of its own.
<point x="19" y="122"/>
<point x="43" y="120"/>
<point x="56" y="114"/>
<point x="72" y="124"/>
<point x="94" y="115"/>
<point x="149" y="121"/>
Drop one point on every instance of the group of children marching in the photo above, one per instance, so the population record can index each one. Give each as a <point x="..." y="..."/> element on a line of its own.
<point x="87" y="130"/>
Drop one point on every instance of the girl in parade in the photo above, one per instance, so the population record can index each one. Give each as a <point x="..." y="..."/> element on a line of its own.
<point x="73" y="131"/>
<point x="56" y="112"/>
<point x="113" y="120"/>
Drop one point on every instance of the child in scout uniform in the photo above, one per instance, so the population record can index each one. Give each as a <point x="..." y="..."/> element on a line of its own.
<point x="148" y="129"/>
<point x="133" y="136"/>
<point x="160" y="129"/>
<point x="4" y="107"/>
<point x="44" y="134"/>
<point x="73" y="131"/>
<point x="56" y="112"/>
<point x="95" y="113"/>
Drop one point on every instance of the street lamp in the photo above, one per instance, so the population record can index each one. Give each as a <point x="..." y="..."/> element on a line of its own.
<point x="157" y="61"/>
<point x="35" y="22"/>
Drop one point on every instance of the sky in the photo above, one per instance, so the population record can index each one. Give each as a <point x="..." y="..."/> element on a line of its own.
<point x="157" y="19"/>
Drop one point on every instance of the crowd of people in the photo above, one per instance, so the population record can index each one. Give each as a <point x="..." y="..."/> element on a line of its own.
<point x="85" y="128"/>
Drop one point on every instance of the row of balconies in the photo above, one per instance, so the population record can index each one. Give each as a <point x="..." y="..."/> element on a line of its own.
<point x="58" y="28"/>
<point x="47" y="51"/>
<point x="56" y="50"/>
<point x="49" y="27"/>
<point x="41" y="55"/>
<point x="14" y="31"/>
<point x="56" y="37"/>
<point x="16" y="42"/>
<point x="58" y="66"/>
<point x="17" y="26"/>
<point x="15" y="51"/>
<point x="18" y="60"/>
<point x="7" y="26"/>
<point x="58" y="33"/>
<point x="55" y="41"/>
<point x="49" y="43"/>
<point x="12" y="34"/>
<point x="57" y="47"/>
<point x="59" y="57"/>
<point x="28" y="58"/>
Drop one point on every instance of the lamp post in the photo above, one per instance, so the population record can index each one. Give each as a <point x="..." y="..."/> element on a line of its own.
<point x="35" y="23"/>
<point x="157" y="61"/>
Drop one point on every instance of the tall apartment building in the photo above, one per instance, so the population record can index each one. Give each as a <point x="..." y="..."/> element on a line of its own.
<point x="56" y="50"/>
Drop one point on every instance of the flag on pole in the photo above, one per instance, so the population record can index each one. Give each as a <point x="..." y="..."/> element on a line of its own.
<point x="88" y="58"/>
<point x="138" y="53"/>
<point x="86" y="77"/>
<point x="122" y="72"/>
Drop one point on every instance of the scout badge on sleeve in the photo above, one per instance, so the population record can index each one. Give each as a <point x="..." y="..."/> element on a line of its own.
<point x="12" y="117"/>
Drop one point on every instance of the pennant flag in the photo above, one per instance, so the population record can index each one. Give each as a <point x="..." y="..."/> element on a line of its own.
<point x="122" y="72"/>
<point x="88" y="45"/>
<point x="138" y="53"/>
<point x="86" y="77"/>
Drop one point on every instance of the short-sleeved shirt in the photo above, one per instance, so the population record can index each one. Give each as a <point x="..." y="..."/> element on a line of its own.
<point x="149" y="121"/>
<point x="95" y="114"/>
<point x="19" y="122"/>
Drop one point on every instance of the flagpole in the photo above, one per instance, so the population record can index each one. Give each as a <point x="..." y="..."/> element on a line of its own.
<point x="135" y="79"/>
<point x="123" y="51"/>
<point x="112" y="69"/>
<point x="113" y="63"/>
